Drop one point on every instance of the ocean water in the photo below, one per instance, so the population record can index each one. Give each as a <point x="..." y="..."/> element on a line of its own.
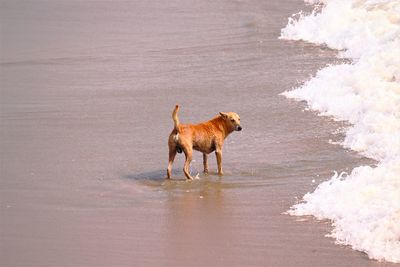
<point x="86" y="95"/>
<point x="364" y="204"/>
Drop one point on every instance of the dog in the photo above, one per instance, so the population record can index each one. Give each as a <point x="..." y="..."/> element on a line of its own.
<point x="205" y="137"/>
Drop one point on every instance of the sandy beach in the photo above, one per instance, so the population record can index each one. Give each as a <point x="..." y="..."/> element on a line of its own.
<point x="87" y="91"/>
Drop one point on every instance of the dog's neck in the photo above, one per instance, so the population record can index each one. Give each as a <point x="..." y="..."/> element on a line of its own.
<point x="223" y="126"/>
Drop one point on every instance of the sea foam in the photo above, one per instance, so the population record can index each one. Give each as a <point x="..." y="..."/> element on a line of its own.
<point x="364" y="206"/>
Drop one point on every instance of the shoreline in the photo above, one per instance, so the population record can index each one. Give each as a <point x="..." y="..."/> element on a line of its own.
<point x="351" y="89"/>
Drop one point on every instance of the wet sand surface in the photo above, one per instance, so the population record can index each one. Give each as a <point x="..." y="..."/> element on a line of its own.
<point x="87" y="90"/>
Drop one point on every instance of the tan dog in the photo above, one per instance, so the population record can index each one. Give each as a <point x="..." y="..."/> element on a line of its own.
<point x="205" y="137"/>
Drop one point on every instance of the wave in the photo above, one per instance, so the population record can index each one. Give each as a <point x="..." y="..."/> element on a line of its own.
<point x="364" y="206"/>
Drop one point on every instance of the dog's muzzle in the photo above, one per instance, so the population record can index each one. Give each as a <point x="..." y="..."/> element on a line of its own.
<point x="238" y="128"/>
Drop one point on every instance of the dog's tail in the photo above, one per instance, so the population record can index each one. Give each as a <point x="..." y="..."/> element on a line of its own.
<point x="175" y="117"/>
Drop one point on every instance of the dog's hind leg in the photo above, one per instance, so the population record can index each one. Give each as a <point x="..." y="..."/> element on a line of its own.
<point x="205" y="163"/>
<point x="188" y="154"/>
<point x="172" y="154"/>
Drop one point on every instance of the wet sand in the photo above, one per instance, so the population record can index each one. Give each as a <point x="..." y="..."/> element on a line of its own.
<point x="87" y="90"/>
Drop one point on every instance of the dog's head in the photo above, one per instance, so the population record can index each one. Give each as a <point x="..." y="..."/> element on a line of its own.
<point x="232" y="119"/>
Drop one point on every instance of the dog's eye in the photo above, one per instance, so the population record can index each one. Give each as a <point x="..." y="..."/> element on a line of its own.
<point x="232" y="120"/>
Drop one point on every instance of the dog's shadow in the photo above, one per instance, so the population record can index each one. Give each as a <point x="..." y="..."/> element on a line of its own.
<point x="156" y="179"/>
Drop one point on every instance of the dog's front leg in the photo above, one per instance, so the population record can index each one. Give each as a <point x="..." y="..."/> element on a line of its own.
<point x="205" y="163"/>
<point x="218" y="154"/>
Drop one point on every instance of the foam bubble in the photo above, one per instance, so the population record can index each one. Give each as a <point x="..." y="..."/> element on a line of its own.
<point x="365" y="205"/>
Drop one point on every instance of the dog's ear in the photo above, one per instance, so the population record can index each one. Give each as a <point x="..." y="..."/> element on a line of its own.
<point x="223" y="115"/>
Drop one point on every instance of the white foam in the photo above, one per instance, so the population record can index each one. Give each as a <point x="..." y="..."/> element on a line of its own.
<point x="365" y="205"/>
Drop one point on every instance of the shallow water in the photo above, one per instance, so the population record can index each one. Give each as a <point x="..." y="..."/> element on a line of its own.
<point x="87" y="91"/>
